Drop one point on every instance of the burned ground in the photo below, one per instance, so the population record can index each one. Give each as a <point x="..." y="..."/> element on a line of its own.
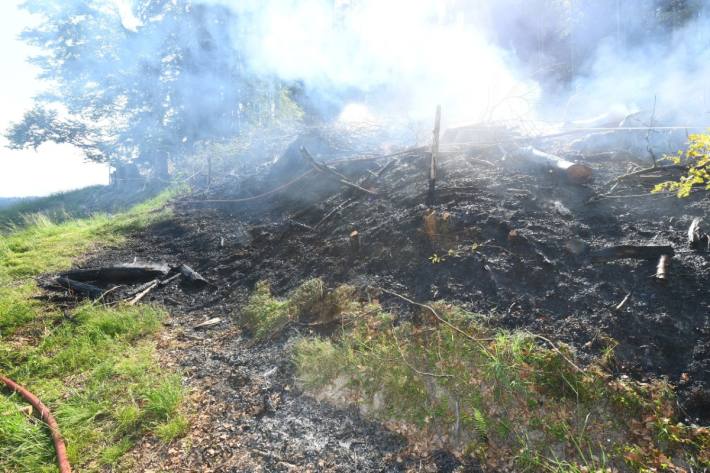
<point x="502" y="240"/>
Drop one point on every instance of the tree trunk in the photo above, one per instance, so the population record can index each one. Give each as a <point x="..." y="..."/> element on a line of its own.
<point x="160" y="166"/>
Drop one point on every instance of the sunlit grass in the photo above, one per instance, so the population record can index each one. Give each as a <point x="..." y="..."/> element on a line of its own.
<point x="96" y="367"/>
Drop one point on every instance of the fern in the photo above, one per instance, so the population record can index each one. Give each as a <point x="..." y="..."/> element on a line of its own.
<point x="480" y="424"/>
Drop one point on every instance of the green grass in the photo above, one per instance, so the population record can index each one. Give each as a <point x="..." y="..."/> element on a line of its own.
<point x="95" y="368"/>
<point x="504" y="397"/>
<point x="76" y="204"/>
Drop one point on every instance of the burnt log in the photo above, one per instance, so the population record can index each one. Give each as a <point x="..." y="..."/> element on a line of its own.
<point x="79" y="288"/>
<point x="192" y="277"/>
<point x="631" y="252"/>
<point x="124" y="273"/>
<point x="575" y="173"/>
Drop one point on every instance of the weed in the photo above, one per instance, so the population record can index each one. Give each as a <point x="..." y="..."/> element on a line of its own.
<point x="172" y="429"/>
<point x="263" y="314"/>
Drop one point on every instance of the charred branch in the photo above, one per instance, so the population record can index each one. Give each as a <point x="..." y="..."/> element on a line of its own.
<point x="325" y="169"/>
<point x="192" y="277"/>
<point x="355" y="242"/>
<point x="431" y="195"/>
<point x="79" y="288"/>
<point x="631" y="252"/>
<point x="144" y="292"/>
<point x="125" y="273"/>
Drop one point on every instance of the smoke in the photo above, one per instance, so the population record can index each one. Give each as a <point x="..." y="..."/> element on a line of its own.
<point x="173" y="73"/>
<point x="401" y="57"/>
<point x="666" y="77"/>
<point x="487" y="59"/>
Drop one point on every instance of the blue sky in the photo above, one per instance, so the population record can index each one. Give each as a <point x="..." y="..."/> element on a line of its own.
<point x="51" y="168"/>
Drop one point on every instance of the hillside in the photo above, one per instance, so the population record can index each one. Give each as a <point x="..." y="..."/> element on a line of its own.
<point x="517" y="321"/>
<point x="8" y="201"/>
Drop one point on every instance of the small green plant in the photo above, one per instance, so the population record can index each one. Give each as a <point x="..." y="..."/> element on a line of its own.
<point x="265" y="315"/>
<point x="697" y="158"/>
<point x="174" y="428"/>
<point x="436" y="259"/>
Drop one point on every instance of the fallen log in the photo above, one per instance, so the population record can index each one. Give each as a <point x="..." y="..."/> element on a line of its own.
<point x="123" y="273"/>
<point x="190" y="276"/>
<point x="576" y="173"/>
<point x="79" y="288"/>
<point x="631" y="252"/>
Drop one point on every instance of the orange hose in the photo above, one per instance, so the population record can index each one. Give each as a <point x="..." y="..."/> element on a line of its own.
<point x="48" y="418"/>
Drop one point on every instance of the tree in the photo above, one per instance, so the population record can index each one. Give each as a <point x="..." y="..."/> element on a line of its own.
<point x="143" y="88"/>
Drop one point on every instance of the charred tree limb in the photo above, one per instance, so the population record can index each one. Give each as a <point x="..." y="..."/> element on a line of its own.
<point x="79" y="288"/>
<point x="620" y="306"/>
<point x="641" y="172"/>
<point x="144" y="292"/>
<point x="190" y="276"/>
<point x="301" y="224"/>
<point x="337" y="209"/>
<point x="322" y="168"/>
<point x="631" y="252"/>
<point x="127" y="273"/>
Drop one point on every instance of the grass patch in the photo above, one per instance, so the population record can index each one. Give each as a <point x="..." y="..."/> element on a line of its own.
<point x="503" y="397"/>
<point x="95" y="368"/>
<point x="77" y="204"/>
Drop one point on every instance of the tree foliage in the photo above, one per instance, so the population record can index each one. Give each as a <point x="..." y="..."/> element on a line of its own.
<point x="697" y="158"/>
<point x="144" y="87"/>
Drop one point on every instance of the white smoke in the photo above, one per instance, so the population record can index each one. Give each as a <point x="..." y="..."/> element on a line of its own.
<point x="407" y="56"/>
<point x="666" y="78"/>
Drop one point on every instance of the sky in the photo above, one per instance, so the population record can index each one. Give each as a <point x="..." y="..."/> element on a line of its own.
<point x="52" y="168"/>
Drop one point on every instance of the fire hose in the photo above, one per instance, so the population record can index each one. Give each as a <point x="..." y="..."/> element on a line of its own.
<point x="47" y="417"/>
